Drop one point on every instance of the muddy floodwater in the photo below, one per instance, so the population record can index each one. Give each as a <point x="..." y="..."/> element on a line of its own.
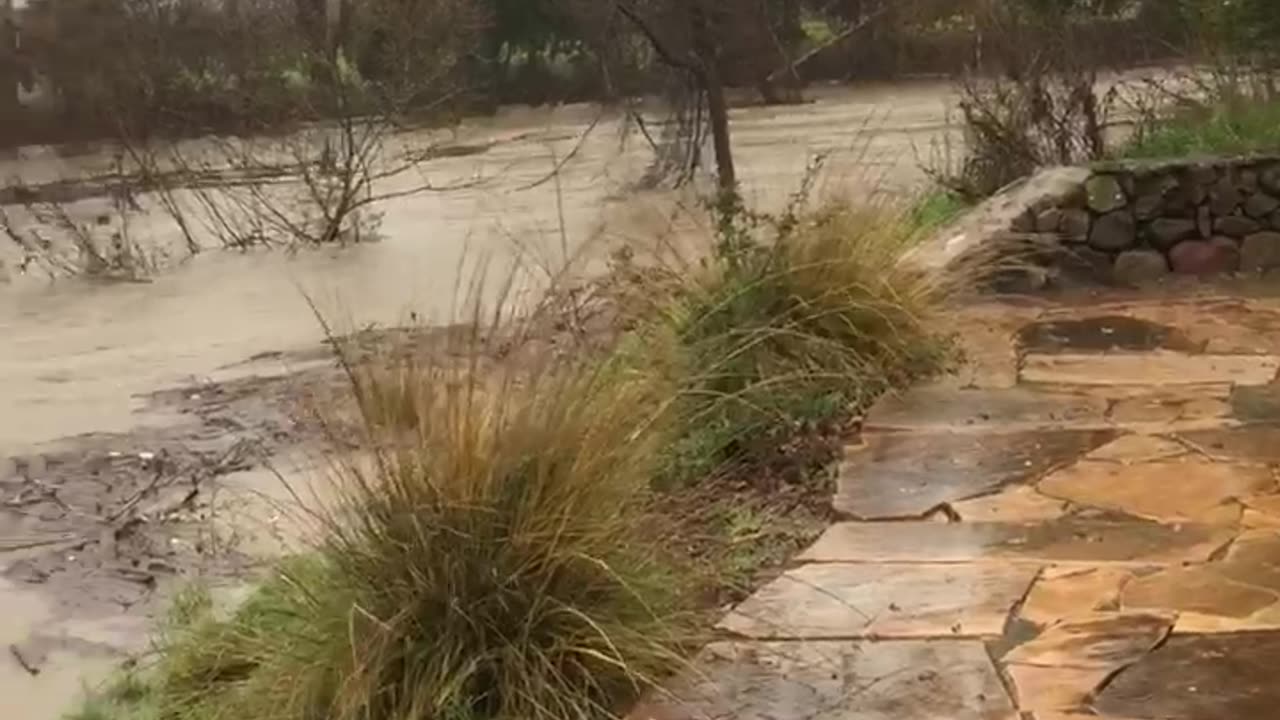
<point x="81" y="362"/>
<point x="75" y="353"/>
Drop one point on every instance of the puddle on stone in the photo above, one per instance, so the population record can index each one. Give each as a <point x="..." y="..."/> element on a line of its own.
<point x="1200" y="677"/>
<point x="1102" y="334"/>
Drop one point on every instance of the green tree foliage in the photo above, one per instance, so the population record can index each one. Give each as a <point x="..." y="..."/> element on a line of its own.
<point x="1249" y="27"/>
<point x="196" y="65"/>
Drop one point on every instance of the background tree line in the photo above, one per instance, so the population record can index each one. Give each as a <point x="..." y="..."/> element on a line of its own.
<point x="250" y="65"/>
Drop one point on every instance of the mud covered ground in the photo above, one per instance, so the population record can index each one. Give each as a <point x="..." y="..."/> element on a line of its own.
<point x="98" y="531"/>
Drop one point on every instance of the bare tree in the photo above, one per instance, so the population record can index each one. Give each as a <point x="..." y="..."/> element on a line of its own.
<point x="320" y="183"/>
<point x="682" y="35"/>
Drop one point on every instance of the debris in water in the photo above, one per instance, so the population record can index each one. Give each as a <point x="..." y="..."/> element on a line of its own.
<point x="31" y="665"/>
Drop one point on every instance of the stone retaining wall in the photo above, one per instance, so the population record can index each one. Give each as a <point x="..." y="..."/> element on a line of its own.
<point x="1134" y="223"/>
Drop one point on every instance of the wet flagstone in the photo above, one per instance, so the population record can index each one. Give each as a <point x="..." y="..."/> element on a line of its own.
<point x="1130" y="449"/>
<point x="1223" y="325"/>
<point x="1056" y="688"/>
<point x="1240" y="591"/>
<point x="1197" y="403"/>
<point x="1252" y="519"/>
<point x="1251" y="443"/>
<point x="1190" y="490"/>
<point x="837" y="600"/>
<point x="1083" y="523"/>
<point x="1097" y="641"/>
<point x="920" y="680"/>
<point x="1014" y="504"/>
<point x="1254" y="558"/>
<point x="1256" y="404"/>
<point x="1102" y="333"/>
<point x="959" y="409"/>
<point x="1087" y="715"/>
<point x="909" y="474"/>
<point x="1200" y="677"/>
<point x="1199" y="589"/>
<point x="1152" y="369"/>
<point x="1061" y="592"/>
<point x="1064" y="540"/>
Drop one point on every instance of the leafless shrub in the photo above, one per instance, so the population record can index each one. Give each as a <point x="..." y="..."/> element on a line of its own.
<point x="1040" y="107"/>
<point x="358" y="80"/>
<point x="59" y="245"/>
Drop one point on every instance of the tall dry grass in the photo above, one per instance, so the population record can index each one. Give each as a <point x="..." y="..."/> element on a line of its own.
<point x="487" y="553"/>
<point x="790" y="320"/>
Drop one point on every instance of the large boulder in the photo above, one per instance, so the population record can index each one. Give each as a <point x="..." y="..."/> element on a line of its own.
<point x="1164" y="233"/>
<point x="1105" y="193"/>
<point x="1236" y="226"/>
<point x="1138" y="268"/>
<point x="1260" y="252"/>
<point x="1205" y="257"/>
<point x="1114" y="231"/>
<point x="1074" y="224"/>
<point x="1224" y="197"/>
<point x="1261" y="205"/>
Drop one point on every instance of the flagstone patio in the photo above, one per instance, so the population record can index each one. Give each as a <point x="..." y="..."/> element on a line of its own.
<point x="1083" y="522"/>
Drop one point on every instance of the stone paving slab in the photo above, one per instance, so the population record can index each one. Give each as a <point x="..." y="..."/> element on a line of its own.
<point x="1063" y="592"/>
<point x="939" y="408"/>
<point x="1256" y="404"/>
<point x="933" y="407"/>
<point x="1188" y="405"/>
<point x="1094" y="641"/>
<point x="904" y="475"/>
<point x="899" y="680"/>
<point x="1238" y="592"/>
<point x="1059" y="541"/>
<point x="1134" y="449"/>
<point x="1200" y="677"/>
<point x="1194" y="490"/>
<point x="1014" y="504"/>
<point x="1148" y="369"/>
<point x="1055" y="689"/>
<point x="1251" y="443"/>
<point x="840" y="601"/>
<point x="1090" y="715"/>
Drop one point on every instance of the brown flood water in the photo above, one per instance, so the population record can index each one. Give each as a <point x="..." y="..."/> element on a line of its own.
<point x="75" y="353"/>
<point x="76" y="356"/>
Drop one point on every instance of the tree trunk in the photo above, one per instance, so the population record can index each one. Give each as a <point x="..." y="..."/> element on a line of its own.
<point x="704" y="48"/>
<point x="9" y="75"/>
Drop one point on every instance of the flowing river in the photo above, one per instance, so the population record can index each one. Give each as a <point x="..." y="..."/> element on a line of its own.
<point x="75" y="352"/>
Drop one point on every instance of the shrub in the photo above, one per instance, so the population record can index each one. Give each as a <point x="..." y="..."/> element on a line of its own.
<point x="1040" y="106"/>
<point x="796" y="320"/>
<point x="1229" y="123"/>
<point x="484" y="558"/>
